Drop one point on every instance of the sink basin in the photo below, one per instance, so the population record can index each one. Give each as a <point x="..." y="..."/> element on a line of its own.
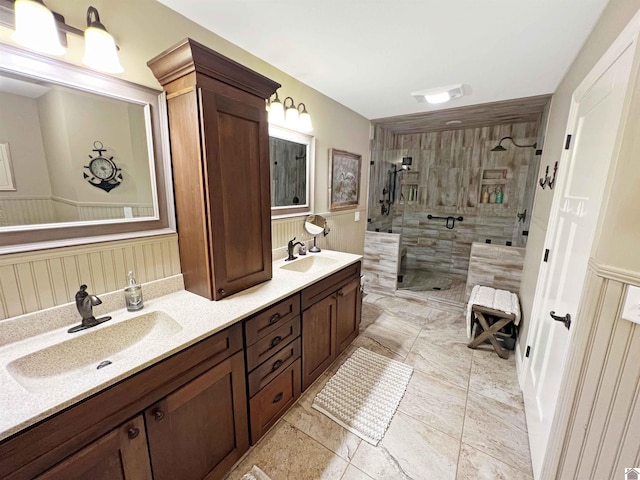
<point x="308" y="263"/>
<point x="79" y="354"/>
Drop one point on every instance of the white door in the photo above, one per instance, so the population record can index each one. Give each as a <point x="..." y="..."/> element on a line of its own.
<point x="580" y="187"/>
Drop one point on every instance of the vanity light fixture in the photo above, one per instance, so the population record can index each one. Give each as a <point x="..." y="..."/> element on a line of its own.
<point x="291" y="114"/>
<point x="276" y="111"/>
<point x="500" y="148"/>
<point x="435" y="96"/>
<point x="100" y="51"/>
<point x="304" y="124"/>
<point x="38" y="28"/>
<point x="288" y="115"/>
<point x="35" y="27"/>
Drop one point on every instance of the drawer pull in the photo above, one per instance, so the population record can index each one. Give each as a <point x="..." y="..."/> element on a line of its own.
<point x="133" y="433"/>
<point x="221" y="291"/>
<point x="340" y="293"/>
<point x="276" y="365"/>
<point x="278" y="397"/>
<point x="274" y="318"/>
<point x="275" y="341"/>
<point x="158" y="414"/>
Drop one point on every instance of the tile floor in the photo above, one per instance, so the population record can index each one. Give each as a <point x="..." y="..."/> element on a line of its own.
<point x="462" y="416"/>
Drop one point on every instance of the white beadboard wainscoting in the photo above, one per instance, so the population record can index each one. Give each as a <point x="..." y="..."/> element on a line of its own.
<point x="346" y="235"/>
<point x="36" y="280"/>
<point x="595" y="434"/>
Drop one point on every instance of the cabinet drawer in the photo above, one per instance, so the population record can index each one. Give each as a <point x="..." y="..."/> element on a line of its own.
<point x="272" y="343"/>
<point x="272" y="367"/>
<point x="270" y="319"/>
<point x="273" y="400"/>
<point x="320" y="290"/>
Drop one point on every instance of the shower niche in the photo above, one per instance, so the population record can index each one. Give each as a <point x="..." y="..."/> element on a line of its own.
<point x="494" y="186"/>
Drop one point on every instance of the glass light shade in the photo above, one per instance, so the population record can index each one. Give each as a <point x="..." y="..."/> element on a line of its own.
<point x="100" y="51"/>
<point x="276" y="112"/>
<point x="438" y="97"/>
<point x="291" y="118"/>
<point x="304" y="124"/>
<point x="36" y="28"/>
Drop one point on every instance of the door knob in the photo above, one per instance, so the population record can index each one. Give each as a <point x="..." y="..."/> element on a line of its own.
<point x="566" y="319"/>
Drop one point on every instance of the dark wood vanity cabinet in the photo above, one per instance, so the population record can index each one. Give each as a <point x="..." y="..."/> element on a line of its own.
<point x="330" y="320"/>
<point x="120" y="454"/>
<point x="221" y="174"/>
<point x="273" y="350"/>
<point x="194" y="405"/>
<point x="200" y="430"/>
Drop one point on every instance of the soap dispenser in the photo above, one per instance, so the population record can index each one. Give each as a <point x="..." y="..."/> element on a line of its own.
<point x="133" y="294"/>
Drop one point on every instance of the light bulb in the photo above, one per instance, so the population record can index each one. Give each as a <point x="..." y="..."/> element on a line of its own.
<point x="291" y="118"/>
<point x="436" y="98"/>
<point x="36" y="28"/>
<point x="276" y="112"/>
<point x="100" y="51"/>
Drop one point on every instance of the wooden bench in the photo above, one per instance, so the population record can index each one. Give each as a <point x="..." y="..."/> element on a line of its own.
<point x="491" y="322"/>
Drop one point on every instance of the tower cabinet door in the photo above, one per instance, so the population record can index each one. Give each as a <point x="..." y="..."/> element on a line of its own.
<point x="119" y="455"/>
<point x="318" y="339"/>
<point x="348" y="314"/>
<point x="236" y="145"/>
<point x="200" y="430"/>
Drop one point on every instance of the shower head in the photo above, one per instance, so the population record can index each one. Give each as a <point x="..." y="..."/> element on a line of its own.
<point x="500" y="148"/>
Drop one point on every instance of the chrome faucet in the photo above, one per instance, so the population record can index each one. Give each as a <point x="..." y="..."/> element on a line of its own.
<point x="290" y="247"/>
<point x="85" y="303"/>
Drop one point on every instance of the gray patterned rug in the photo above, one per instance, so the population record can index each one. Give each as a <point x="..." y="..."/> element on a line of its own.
<point x="364" y="394"/>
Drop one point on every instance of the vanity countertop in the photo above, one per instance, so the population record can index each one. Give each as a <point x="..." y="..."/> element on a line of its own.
<point x="29" y="394"/>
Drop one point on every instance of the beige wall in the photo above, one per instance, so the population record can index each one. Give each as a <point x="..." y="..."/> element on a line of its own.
<point x="143" y="29"/>
<point x="614" y="18"/>
<point x="22" y="132"/>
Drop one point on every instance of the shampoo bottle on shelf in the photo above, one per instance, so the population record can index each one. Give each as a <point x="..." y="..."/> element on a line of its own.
<point x="133" y="294"/>
<point x="499" y="195"/>
<point x="485" y="196"/>
<point x="492" y="196"/>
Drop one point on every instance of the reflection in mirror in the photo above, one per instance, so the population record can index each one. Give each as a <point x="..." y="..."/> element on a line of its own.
<point x="291" y="157"/>
<point x="82" y="155"/>
<point x="315" y="225"/>
<point x="75" y="156"/>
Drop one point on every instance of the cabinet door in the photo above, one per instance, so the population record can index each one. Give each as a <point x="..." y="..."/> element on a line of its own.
<point x="348" y="314"/>
<point x="318" y="339"/>
<point x="120" y="454"/>
<point x="200" y="430"/>
<point x="236" y="141"/>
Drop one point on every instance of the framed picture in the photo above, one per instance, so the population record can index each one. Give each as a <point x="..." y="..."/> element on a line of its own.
<point x="345" y="179"/>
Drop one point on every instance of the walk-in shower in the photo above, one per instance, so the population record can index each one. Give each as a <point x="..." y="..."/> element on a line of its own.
<point x="442" y="191"/>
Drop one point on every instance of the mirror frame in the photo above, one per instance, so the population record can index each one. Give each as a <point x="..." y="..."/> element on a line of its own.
<point x="20" y="238"/>
<point x="310" y="141"/>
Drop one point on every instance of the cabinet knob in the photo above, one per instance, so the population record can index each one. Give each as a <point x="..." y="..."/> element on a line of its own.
<point x="275" y="341"/>
<point x="278" y="397"/>
<point x="221" y="291"/>
<point x="274" y="318"/>
<point x="158" y="414"/>
<point x="276" y="365"/>
<point x="133" y="433"/>
<point x="340" y="293"/>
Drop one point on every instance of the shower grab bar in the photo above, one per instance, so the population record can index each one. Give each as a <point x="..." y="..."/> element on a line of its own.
<point x="451" y="221"/>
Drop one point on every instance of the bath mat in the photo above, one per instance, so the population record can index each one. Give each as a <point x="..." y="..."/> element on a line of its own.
<point x="255" y="474"/>
<point x="364" y="394"/>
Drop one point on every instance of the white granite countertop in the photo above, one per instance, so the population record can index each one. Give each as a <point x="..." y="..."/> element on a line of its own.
<point x="44" y="369"/>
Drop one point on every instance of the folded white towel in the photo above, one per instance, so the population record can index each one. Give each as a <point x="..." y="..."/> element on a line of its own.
<point x="502" y="300"/>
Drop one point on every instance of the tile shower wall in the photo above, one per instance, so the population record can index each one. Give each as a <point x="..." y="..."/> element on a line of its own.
<point x="449" y="172"/>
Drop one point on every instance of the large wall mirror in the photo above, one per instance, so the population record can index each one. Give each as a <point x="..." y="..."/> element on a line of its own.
<point x="292" y="164"/>
<point x="82" y="155"/>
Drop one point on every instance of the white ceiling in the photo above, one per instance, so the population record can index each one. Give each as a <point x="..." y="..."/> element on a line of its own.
<point x="371" y="54"/>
